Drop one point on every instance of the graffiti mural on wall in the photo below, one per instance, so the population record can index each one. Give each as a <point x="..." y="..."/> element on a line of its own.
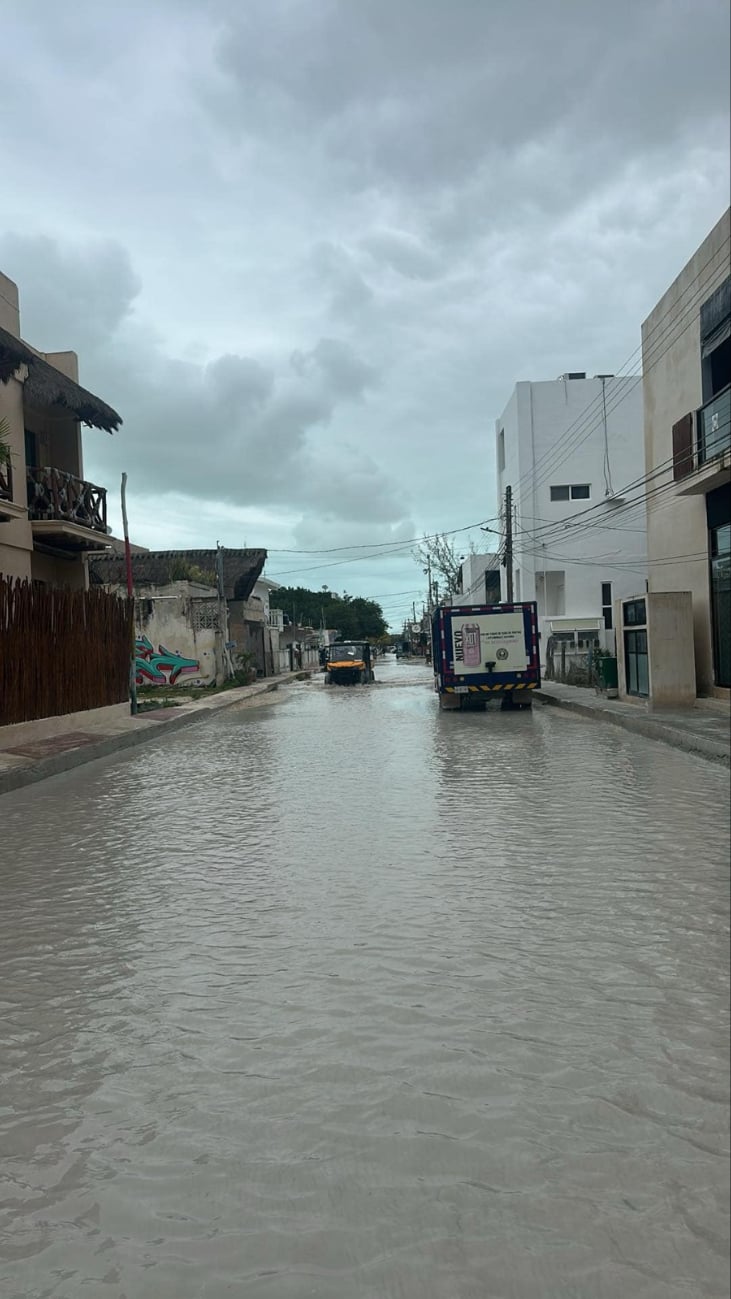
<point x="163" y="668"/>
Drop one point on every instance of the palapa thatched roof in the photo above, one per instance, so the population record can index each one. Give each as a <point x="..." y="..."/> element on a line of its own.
<point x="241" y="568"/>
<point x="47" y="386"/>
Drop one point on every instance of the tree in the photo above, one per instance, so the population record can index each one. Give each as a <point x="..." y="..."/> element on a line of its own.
<point x="354" y="617"/>
<point x="438" y="554"/>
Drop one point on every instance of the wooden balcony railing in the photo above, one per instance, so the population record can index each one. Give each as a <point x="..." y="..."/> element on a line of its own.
<point x="57" y="496"/>
<point x="6" y="480"/>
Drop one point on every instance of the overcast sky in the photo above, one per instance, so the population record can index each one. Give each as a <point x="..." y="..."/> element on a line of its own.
<point x="307" y="247"/>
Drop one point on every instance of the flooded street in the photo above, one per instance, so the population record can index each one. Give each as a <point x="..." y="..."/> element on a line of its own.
<point x="342" y="997"/>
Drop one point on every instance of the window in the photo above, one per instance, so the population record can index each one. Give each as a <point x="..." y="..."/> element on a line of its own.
<point x="571" y="492"/>
<point x="634" y="613"/>
<point x="205" y="615"/>
<point x="607" y="604"/>
<point x="501" y="450"/>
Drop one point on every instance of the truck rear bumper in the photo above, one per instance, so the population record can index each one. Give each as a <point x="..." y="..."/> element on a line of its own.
<point x="491" y="690"/>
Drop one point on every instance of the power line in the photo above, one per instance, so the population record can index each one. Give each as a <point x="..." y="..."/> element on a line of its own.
<point x="377" y="545"/>
<point x="653" y="351"/>
<point x="578" y="523"/>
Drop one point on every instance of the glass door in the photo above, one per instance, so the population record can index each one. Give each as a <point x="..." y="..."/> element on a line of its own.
<point x="637" y="663"/>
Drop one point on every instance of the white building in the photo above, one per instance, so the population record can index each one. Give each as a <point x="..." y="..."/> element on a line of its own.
<point x="567" y="448"/>
<point x="479" y="580"/>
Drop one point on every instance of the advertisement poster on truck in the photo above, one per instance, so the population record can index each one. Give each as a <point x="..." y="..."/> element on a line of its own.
<point x="496" y="638"/>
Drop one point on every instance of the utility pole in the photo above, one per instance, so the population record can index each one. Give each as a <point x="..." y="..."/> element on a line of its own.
<point x="226" y="662"/>
<point x="131" y="597"/>
<point x="508" y="560"/>
<point x="428" y="570"/>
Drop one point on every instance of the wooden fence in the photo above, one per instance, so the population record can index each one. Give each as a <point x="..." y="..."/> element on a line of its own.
<point x="61" y="651"/>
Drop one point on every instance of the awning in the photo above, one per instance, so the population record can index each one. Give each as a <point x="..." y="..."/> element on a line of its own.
<point x="46" y="386"/>
<point x="575" y="624"/>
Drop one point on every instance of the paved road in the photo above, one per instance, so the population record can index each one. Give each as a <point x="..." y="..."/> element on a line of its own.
<point x="341" y="997"/>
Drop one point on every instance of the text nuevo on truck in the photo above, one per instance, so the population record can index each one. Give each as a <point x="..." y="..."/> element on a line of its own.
<point x="486" y="651"/>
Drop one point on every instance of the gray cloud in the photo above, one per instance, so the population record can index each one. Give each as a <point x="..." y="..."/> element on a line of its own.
<point x="308" y="252"/>
<point x="423" y="92"/>
<point x="72" y="296"/>
<point x="232" y="429"/>
<point x="335" y="362"/>
<point x="403" y="252"/>
<point x="334" y="269"/>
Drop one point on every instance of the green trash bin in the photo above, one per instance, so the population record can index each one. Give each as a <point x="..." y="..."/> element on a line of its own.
<point x="608" y="678"/>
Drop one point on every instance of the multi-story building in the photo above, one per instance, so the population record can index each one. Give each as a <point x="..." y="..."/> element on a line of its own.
<point x="568" y="449"/>
<point x="479" y="580"/>
<point x="49" y="515"/>
<point x="686" y="362"/>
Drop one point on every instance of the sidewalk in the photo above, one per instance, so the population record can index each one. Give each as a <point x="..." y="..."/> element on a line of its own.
<point x="34" y="750"/>
<point x="704" y="730"/>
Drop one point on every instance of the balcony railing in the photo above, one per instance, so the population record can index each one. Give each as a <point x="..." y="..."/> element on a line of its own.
<point x="54" y="495"/>
<point x="6" y="480"/>
<point x="714" y="426"/>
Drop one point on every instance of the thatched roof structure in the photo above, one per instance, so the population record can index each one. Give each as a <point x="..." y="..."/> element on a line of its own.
<point x="46" y="386"/>
<point x="241" y="569"/>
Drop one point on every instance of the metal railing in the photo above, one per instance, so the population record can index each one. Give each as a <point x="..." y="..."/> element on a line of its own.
<point x="56" y="495"/>
<point x="713" y="423"/>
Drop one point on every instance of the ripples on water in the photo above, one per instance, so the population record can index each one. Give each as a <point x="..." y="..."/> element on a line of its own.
<point x="343" y="997"/>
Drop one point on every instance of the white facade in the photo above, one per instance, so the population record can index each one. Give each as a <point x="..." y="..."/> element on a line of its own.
<point x="480" y="580"/>
<point x="567" y="448"/>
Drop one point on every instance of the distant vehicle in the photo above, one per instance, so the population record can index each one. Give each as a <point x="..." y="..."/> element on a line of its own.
<point x="349" y="663"/>
<point x="485" y="651"/>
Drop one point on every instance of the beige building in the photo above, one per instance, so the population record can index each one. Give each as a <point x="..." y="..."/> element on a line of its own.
<point x="49" y="515"/>
<point x="686" y="362"/>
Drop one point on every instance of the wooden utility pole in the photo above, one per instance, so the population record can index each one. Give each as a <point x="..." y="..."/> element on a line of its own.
<point x="226" y="660"/>
<point x="509" y="543"/>
<point x="131" y="594"/>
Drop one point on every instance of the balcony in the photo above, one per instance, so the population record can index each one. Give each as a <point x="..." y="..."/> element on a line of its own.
<point x="714" y="426"/>
<point x="702" y="447"/>
<point x="65" y="511"/>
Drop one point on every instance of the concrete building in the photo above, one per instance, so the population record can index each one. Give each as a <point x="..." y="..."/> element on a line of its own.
<point x="686" y="362"/>
<point x="49" y="515"/>
<point x="567" y="448"/>
<point x="479" y="580"/>
<point x="189" y="632"/>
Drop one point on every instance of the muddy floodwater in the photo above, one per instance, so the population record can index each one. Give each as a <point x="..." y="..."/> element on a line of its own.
<point x="344" y="998"/>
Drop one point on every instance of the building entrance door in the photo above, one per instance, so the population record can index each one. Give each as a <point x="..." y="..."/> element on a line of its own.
<point x="636" y="659"/>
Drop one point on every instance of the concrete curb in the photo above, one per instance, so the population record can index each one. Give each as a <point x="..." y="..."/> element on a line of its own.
<point x="19" y="777"/>
<point x="645" y="726"/>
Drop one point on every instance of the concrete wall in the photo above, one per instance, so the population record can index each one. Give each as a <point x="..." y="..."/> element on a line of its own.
<point x="574" y="563"/>
<point x="59" y="571"/>
<point x="172" y="647"/>
<point x="671" y="665"/>
<point x="16" y="538"/>
<point x="59" y="445"/>
<point x="9" y="306"/>
<point x="672" y="384"/>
